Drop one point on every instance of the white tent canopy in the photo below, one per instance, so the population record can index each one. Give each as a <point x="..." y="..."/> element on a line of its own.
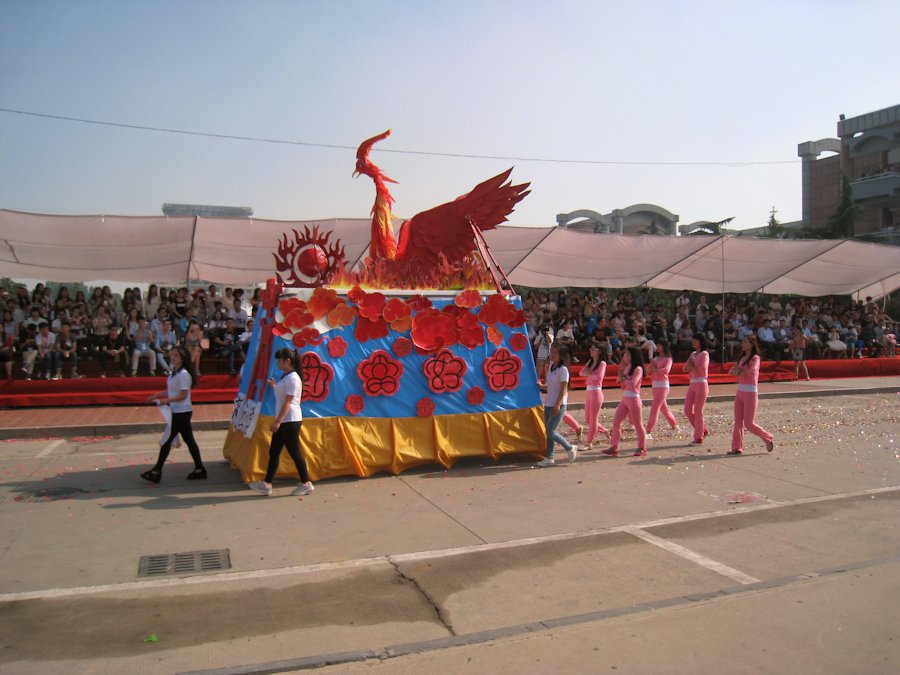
<point x="240" y="252"/>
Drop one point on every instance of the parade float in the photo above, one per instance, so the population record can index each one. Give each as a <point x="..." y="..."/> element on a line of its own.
<point x="418" y="356"/>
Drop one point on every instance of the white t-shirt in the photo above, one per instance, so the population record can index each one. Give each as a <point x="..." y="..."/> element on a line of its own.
<point x="555" y="378"/>
<point x="177" y="383"/>
<point x="289" y="385"/>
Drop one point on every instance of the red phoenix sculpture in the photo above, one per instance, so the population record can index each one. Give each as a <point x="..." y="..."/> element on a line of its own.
<point x="444" y="234"/>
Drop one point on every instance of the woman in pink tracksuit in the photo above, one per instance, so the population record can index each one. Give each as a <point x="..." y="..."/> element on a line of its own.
<point x="697" y="366"/>
<point x="658" y="369"/>
<point x="631" y="372"/>
<point x="746" y="399"/>
<point x="594" y="371"/>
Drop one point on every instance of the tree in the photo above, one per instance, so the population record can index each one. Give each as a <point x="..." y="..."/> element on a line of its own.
<point x="842" y="223"/>
<point x="774" y="229"/>
<point x="712" y="228"/>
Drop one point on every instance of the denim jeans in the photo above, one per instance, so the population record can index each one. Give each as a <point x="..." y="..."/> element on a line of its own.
<point x="552" y="421"/>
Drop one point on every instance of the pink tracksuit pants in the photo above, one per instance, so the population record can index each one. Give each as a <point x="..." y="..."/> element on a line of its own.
<point x="745" y="404"/>
<point x="660" y="394"/>
<point x="592" y="405"/>
<point x="632" y="409"/>
<point x="694" y="402"/>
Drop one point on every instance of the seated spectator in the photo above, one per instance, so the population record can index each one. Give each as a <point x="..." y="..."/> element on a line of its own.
<point x="837" y="348"/>
<point x="237" y="314"/>
<point x="27" y="334"/>
<point x="227" y="343"/>
<point x="67" y="350"/>
<point x="246" y="335"/>
<point x="870" y="339"/>
<point x="769" y="346"/>
<point x="566" y="336"/>
<point x="100" y="325"/>
<point x="7" y="349"/>
<point x="47" y="360"/>
<point x="10" y="325"/>
<point x="163" y="345"/>
<point x="217" y="322"/>
<point x="35" y="318"/>
<point x="142" y="345"/>
<point x="192" y="338"/>
<point x="114" y="348"/>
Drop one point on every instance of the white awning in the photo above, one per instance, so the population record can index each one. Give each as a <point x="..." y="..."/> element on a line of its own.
<point x="240" y="252"/>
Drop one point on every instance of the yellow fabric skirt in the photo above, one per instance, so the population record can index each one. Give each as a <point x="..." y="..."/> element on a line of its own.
<point x="362" y="446"/>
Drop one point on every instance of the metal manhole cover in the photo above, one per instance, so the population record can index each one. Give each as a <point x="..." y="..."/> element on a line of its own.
<point x="51" y="494"/>
<point x="192" y="562"/>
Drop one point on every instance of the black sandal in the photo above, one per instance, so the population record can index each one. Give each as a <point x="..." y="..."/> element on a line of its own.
<point x="197" y="474"/>
<point x="153" y="475"/>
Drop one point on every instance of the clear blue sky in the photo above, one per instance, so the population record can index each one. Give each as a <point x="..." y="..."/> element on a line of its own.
<point x="653" y="81"/>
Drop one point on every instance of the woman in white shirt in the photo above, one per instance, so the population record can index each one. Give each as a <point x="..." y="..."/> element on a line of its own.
<point x="555" y="405"/>
<point x="286" y="425"/>
<point x="178" y="397"/>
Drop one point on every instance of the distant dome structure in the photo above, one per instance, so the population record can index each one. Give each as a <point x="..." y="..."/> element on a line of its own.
<point x="635" y="219"/>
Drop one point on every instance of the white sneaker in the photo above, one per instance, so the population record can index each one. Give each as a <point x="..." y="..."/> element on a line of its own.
<point x="303" y="489"/>
<point x="573" y="453"/>
<point x="261" y="486"/>
<point x="649" y="437"/>
<point x="547" y="461"/>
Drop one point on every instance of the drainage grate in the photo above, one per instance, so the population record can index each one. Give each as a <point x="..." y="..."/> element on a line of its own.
<point x="169" y="564"/>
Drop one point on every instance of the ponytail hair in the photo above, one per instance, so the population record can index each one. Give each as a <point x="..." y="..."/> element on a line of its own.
<point x="187" y="364"/>
<point x="637" y="359"/>
<point x="754" y="349"/>
<point x="666" y="349"/>
<point x="291" y="355"/>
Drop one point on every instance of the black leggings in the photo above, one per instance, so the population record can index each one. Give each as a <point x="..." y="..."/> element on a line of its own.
<point x="288" y="434"/>
<point x="181" y="424"/>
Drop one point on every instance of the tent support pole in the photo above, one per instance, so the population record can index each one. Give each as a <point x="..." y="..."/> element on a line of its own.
<point x="187" y="274"/>
<point x="722" y="313"/>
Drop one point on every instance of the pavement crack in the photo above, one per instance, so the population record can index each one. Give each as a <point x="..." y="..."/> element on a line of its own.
<point x="438" y="611"/>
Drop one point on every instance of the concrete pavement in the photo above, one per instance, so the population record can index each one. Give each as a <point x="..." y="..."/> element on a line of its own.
<point x="684" y="561"/>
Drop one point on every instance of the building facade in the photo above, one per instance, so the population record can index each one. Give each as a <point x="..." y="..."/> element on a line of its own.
<point x="635" y="219"/>
<point x="868" y="151"/>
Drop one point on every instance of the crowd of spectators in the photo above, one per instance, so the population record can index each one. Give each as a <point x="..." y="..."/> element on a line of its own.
<point x="788" y="327"/>
<point x="46" y="332"/>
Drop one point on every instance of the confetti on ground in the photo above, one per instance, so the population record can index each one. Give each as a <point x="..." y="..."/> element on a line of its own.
<point x="151" y="638"/>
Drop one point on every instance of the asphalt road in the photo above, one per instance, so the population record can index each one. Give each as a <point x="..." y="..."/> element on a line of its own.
<point x="686" y="561"/>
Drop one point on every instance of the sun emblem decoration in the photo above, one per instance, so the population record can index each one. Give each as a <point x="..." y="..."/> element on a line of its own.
<point x="309" y="261"/>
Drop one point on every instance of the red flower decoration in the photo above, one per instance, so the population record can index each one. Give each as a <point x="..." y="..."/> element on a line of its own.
<point x="371" y="305"/>
<point x="279" y="330"/>
<point x="444" y="372"/>
<point x="341" y="315"/>
<point x="317" y="375"/>
<point x="470" y="298"/>
<point x="380" y="374"/>
<point x="402" y="347"/>
<point x="425" y="407"/>
<point x="471" y="332"/>
<point x="502" y="370"/>
<point x="370" y="330"/>
<point x="454" y="311"/>
<point x="337" y="347"/>
<point x="355" y="404"/>
<point x="286" y="305"/>
<point x="398" y="314"/>
<point x="497" y="309"/>
<point x="356" y="294"/>
<point x="433" y="330"/>
<point x="323" y="300"/>
<point x="518" y="319"/>
<point x="475" y="396"/>
<point x="494" y="335"/>
<point x="298" y="318"/>
<point x="418" y="302"/>
<point x="307" y="336"/>
<point x="518" y="341"/>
